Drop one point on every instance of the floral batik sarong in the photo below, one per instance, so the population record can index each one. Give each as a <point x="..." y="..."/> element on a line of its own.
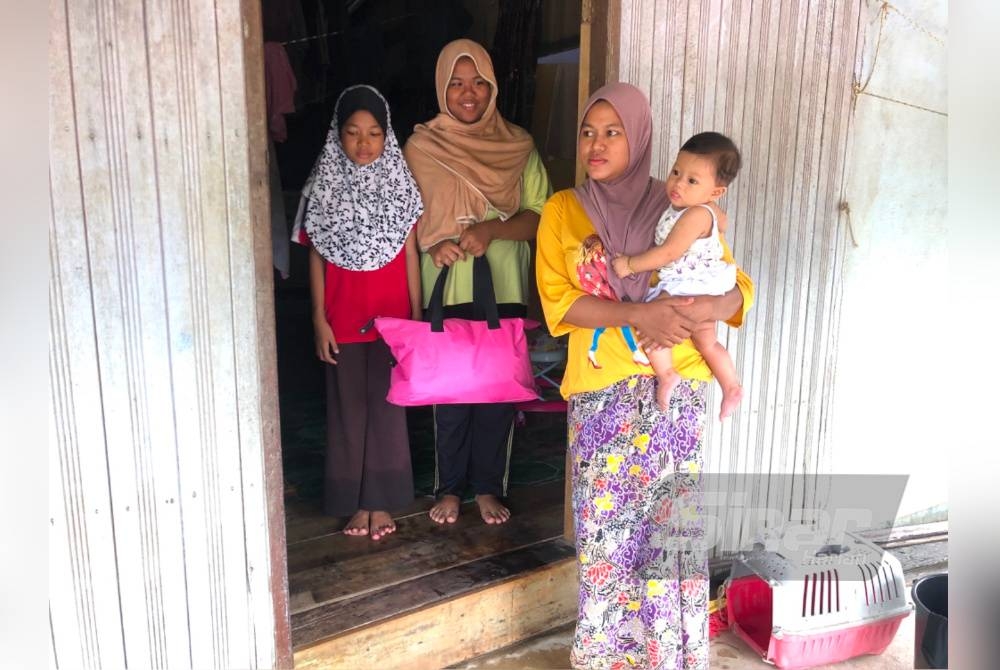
<point x="643" y="566"/>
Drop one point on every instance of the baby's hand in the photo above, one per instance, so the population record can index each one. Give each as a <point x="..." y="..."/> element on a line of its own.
<point x="620" y="266"/>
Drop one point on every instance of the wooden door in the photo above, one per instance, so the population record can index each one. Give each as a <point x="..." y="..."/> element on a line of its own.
<point x="166" y="530"/>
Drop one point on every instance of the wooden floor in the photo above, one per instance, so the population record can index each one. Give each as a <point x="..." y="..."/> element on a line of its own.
<point x="339" y="584"/>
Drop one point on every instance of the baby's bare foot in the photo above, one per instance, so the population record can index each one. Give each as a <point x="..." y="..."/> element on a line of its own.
<point x="491" y="510"/>
<point x="446" y="509"/>
<point x="665" y="385"/>
<point x="730" y="399"/>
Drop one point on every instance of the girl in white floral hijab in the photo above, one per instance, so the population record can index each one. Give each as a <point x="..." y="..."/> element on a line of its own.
<point x="358" y="213"/>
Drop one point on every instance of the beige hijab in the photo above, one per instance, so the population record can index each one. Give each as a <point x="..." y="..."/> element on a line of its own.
<point x="464" y="168"/>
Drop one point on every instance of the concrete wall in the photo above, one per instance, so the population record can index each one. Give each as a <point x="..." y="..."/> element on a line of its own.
<point x="893" y="360"/>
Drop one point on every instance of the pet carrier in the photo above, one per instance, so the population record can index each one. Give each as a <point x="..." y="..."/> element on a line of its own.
<point x="807" y="602"/>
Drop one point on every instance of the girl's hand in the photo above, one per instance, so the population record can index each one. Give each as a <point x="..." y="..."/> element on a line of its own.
<point x="621" y="266"/>
<point x="446" y="253"/>
<point x="326" y="345"/>
<point x="476" y="238"/>
<point x="663" y="322"/>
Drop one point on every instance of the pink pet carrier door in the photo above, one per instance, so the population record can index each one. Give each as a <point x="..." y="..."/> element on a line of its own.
<point x="817" y="603"/>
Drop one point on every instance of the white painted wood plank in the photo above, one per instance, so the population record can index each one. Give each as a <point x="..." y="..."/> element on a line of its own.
<point x="157" y="410"/>
<point x="252" y="349"/>
<point x="171" y="73"/>
<point x="84" y="609"/>
<point x="120" y="183"/>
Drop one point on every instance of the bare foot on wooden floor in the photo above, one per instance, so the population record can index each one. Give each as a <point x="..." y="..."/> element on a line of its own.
<point x="446" y="509"/>
<point x="358" y="525"/>
<point x="381" y="524"/>
<point x="491" y="509"/>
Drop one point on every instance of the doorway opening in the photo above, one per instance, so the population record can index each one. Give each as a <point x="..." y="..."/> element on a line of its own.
<point x="339" y="583"/>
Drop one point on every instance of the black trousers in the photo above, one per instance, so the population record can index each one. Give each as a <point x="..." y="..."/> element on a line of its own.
<point x="473" y="447"/>
<point x="367" y="444"/>
<point x="473" y="442"/>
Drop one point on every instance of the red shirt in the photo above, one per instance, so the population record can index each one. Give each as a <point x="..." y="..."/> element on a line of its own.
<point x="352" y="298"/>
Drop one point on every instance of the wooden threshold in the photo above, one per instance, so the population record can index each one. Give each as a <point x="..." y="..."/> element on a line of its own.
<point x="353" y="592"/>
<point x="454" y="615"/>
<point x="318" y="551"/>
<point x="388" y="572"/>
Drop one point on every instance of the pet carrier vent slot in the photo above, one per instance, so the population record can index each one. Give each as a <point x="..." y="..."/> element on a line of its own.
<point x="864" y="582"/>
<point x="870" y="571"/>
<point x="883" y="587"/>
<point x="805" y="594"/>
<point x="878" y="591"/>
<point x="822" y="590"/>
<point x="890" y="578"/>
<point x="836" y="576"/>
<point x="829" y="591"/>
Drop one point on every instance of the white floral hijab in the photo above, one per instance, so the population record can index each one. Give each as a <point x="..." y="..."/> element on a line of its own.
<point x="358" y="216"/>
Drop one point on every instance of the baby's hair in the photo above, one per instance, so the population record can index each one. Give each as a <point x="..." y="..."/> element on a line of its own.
<point x="721" y="150"/>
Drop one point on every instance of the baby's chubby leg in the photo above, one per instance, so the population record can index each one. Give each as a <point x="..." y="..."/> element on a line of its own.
<point x="721" y="365"/>
<point x="662" y="361"/>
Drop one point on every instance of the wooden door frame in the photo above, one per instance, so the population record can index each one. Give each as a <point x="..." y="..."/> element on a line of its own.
<point x="600" y="32"/>
<point x="267" y="350"/>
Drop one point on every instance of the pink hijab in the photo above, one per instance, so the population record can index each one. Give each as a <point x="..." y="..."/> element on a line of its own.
<point x="624" y="211"/>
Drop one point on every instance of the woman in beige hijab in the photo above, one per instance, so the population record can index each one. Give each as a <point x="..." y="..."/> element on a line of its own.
<point x="483" y="186"/>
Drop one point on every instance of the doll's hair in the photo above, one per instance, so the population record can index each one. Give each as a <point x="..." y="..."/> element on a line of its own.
<point x="721" y="150"/>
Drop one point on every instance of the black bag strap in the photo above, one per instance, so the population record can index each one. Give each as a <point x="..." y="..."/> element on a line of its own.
<point x="435" y="308"/>
<point x="484" y="298"/>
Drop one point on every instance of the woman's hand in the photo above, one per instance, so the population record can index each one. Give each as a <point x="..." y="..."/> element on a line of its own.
<point x="445" y="253"/>
<point x="326" y="345"/>
<point x="701" y="309"/>
<point x="475" y="239"/>
<point x="663" y="322"/>
<point x="709" y="308"/>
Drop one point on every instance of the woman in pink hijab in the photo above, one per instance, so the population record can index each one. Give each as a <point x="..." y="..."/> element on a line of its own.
<point x="643" y="584"/>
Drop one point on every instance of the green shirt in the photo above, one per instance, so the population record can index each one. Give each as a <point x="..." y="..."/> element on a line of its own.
<point x="509" y="260"/>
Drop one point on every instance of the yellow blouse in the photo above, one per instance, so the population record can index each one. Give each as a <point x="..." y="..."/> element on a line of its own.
<point x="566" y="239"/>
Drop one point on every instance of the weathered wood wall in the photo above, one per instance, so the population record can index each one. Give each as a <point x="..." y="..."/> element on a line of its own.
<point x="776" y="76"/>
<point x="163" y="415"/>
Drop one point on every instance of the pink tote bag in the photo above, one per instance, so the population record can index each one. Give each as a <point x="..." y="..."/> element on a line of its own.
<point x="453" y="361"/>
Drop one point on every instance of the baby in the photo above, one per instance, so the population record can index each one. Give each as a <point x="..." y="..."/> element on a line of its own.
<point x="688" y="255"/>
